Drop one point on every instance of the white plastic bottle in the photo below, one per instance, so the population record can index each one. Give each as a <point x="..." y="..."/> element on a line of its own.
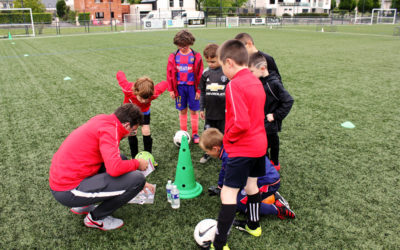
<point x="169" y="188"/>
<point x="175" y="197"/>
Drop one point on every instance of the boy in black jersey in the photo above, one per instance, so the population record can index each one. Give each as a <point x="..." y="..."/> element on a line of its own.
<point x="277" y="105"/>
<point x="212" y="93"/>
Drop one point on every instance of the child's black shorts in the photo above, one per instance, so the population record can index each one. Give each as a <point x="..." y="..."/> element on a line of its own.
<point x="146" y="119"/>
<point x="238" y="169"/>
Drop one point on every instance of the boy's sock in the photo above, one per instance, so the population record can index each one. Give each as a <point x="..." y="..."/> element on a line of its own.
<point x="225" y="220"/>
<point x="183" y="121"/>
<point x="194" y="119"/>
<point x="253" y="210"/>
<point x="133" y="144"/>
<point x="148" y="143"/>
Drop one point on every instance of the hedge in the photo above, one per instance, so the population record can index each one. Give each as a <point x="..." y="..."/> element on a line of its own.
<point x="7" y="18"/>
<point x="84" y="16"/>
<point x="311" y="15"/>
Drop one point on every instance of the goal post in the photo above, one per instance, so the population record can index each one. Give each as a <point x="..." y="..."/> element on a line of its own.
<point x="383" y="16"/>
<point x="232" y="21"/>
<point x="16" y="22"/>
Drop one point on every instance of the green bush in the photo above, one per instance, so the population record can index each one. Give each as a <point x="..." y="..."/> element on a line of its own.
<point x="6" y="18"/>
<point x="286" y="15"/>
<point x="84" y="16"/>
<point x="311" y="15"/>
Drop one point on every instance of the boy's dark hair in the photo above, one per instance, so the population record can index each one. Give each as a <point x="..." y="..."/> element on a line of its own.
<point x="257" y="60"/>
<point x="244" y="38"/>
<point x="210" y="138"/>
<point x="210" y="51"/>
<point x="184" y="38"/>
<point x="129" y="112"/>
<point x="234" y="50"/>
<point x="144" y="87"/>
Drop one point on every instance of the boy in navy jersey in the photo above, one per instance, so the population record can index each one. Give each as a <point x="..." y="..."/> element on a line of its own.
<point x="277" y="106"/>
<point x="212" y="97"/>
<point x="244" y="141"/>
<point x="184" y="70"/>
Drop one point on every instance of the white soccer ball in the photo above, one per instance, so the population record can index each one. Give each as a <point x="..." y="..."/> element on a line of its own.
<point x="204" y="232"/>
<point x="178" y="137"/>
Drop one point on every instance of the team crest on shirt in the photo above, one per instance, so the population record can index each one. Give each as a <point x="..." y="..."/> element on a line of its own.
<point x="224" y="78"/>
<point x="191" y="59"/>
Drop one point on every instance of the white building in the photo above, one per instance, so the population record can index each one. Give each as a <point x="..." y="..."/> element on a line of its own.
<point x="291" y="7"/>
<point x="176" y="6"/>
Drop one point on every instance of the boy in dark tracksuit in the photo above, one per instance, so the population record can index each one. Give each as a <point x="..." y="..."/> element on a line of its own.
<point x="277" y="105"/>
<point x="212" y="93"/>
<point x="211" y="142"/>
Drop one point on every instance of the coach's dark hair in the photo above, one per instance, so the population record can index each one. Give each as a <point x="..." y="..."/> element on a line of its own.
<point x="184" y="38"/>
<point x="129" y="112"/>
<point x="235" y="50"/>
<point x="244" y="37"/>
<point x="257" y="60"/>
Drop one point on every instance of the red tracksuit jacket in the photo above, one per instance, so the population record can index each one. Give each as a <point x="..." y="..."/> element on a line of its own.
<point x="172" y="70"/>
<point x="85" y="149"/>
<point x="244" y="118"/>
<point x="131" y="98"/>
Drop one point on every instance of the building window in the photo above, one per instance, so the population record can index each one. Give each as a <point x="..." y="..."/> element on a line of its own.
<point x="305" y="11"/>
<point x="171" y="3"/>
<point x="271" y="1"/>
<point x="99" y="15"/>
<point x="98" y="1"/>
<point x="280" y="1"/>
<point x="112" y="14"/>
<point x="298" y="1"/>
<point x="180" y="3"/>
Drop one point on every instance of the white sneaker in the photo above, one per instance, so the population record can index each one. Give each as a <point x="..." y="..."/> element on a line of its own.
<point x="108" y="223"/>
<point x="83" y="210"/>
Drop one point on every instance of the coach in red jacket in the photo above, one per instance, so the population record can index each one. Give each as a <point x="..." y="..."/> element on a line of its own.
<point x="76" y="179"/>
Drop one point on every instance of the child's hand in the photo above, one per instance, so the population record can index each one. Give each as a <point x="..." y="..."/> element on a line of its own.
<point x="143" y="164"/>
<point x="197" y="97"/>
<point x="148" y="188"/>
<point x="202" y="116"/>
<point x="172" y="94"/>
<point x="270" y="117"/>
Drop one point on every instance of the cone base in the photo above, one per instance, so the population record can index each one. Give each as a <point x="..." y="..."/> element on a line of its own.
<point x="192" y="193"/>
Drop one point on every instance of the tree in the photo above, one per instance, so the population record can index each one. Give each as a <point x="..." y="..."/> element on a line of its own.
<point x="376" y="4"/>
<point x="35" y="5"/>
<point x="395" y="5"/>
<point x="348" y="5"/>
<point x="333" y="4"/>
<point x="364" y="5"/>
<point x="61" y="7"/>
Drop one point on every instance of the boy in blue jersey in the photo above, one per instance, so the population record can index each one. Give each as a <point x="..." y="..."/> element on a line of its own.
<point x="211" y="143"/>
<point x="184" y="70"/>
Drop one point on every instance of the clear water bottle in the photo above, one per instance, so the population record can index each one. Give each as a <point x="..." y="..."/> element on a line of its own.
<point x="169" y="188"/>
<point x="175" y="204"/>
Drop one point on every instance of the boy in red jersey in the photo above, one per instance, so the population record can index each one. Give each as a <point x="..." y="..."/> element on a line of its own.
<point x="141" y="93"/>
<point x="76" y="179"/>
<point x="184" y="70"/>
<point x="244" y="141"/>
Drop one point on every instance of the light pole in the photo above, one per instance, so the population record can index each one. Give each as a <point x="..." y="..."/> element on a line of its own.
<point x="109" y="3"/>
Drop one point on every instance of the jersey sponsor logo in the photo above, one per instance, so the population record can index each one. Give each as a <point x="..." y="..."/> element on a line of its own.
<point x="184" y="68"/>
<point x="215" y="87"/>
<point x="201" y="234"/>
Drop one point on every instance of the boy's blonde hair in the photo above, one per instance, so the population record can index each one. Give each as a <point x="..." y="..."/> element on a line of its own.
<point x="184" y="38"/>
<point x="210" y="138"/>
<point x="144" y="87"/>
<point x="234" y="50"/>
<point x="257" y="60"/>
<point x="210" y="51"/>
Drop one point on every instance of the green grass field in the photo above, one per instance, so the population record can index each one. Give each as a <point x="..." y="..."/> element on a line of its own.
<point x="342" y="183"/>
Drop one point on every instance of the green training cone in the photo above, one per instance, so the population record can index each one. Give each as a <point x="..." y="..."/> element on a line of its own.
<point x="184" y="177"/>
<point x="9" y="36"/>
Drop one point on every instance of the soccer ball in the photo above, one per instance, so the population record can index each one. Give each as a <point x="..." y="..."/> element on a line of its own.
<point x="146" y="156"/>
<point x="178" y="137"/>
<point x="204" y="232"/>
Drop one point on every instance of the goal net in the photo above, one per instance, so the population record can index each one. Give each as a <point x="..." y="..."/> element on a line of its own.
<point x="383" y="16"/>
<point x="361" y="20"/>
<point x="132" y="22"/>
<point x="232" y="21"/>
<point x="16" y="22"/>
